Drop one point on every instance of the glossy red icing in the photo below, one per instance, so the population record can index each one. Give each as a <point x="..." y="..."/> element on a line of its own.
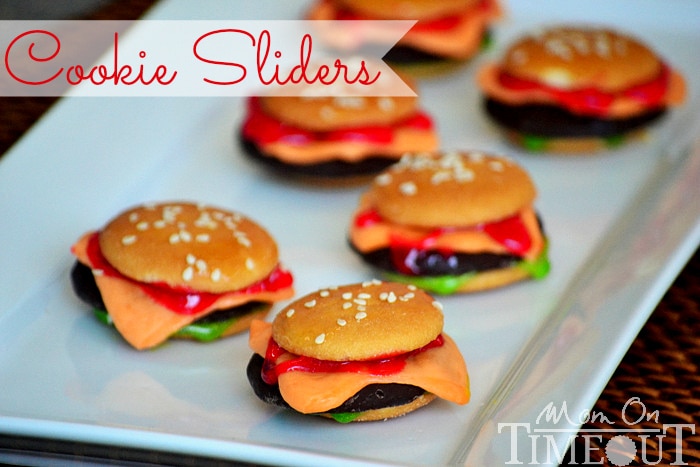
<point x="591" y="100"/>
<point x="386" y="365"/>
<point x="181" y="299"/>
<point x="263" y="129"/>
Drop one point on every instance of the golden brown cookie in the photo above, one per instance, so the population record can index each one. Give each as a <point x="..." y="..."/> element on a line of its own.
<point x="451" y="189"/>
<point x="331" y="113"/>
<point x="358" y="322"/>
<point x="570" y="57"/>
<point x="188" y="245"/>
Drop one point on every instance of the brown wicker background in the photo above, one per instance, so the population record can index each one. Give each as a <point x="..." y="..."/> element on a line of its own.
<point x="661" y="367"/>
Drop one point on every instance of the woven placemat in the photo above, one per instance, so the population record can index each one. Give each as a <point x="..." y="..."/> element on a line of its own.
<point x="660" y="369"/>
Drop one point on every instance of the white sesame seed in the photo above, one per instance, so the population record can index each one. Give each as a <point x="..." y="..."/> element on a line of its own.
<point x="347" y="305"/>
<point x="310" y="304"/>
<point x="201" y="265"/>
<point x="133" y="217"/>
<point x="216" y="275"/>
<point x="364" y="296"/>
<point x="128" y="239"/>
<point x="496" y="166"/>
<point x="174" y="238"/>
<point x="191" y="259"/>
<point x="142" y="226"/>
<point x="327" y="113"/>
<point x="437" y="305"/>
<point x="320" y="338"/>
<point x="349" y="102"/>
<point x="185" y="236"/>
<point x="408" y="188"/>
<point x="386" y="104"/>
<point x="188" y="273"/>
<point x="360" y="301"/>
<point x="360" y="315"/>
<point x="242" y="239"/>
<point x="341" y="322"/>
<point x="347" y="295"/>
<point x="383" y="296"/>
<point x="249" y="264"/>
<point x="290" y="313"/>
<point x="159" y="224"/>
<point x="383" y="179"/>
<point x="391" y="298"/>
<point x="324" y="293"/>
<point x="411" y="287"/>
<point x="202" y="238"/>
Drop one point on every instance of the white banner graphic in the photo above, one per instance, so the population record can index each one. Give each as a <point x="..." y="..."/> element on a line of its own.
<point x="199" y="58"/>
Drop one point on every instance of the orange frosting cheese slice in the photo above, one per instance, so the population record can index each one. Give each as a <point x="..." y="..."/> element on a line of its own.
<point x="669" y="89"/>
<point x="299" y="146"/>
<point x="458" y="36"/>
<point x="439" y="370"/>
<point x="143" y="322"/>
<point x="381" y="233"/>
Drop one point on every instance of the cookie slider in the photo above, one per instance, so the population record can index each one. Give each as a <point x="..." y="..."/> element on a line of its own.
<point x="357" y="352"/>
<point x="334" y="137"/>
<point x="575" y="89"/>
<point x="451" y="222"/>
<point x="449" y="30"/>
<point x="179" y="269"/>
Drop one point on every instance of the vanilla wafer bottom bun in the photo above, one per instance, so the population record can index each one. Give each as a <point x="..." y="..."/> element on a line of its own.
<point x="460" y="188"/>
<point x="386" y="413"/>
<point x="182" y="244"/>
<point x="358" y="322"/>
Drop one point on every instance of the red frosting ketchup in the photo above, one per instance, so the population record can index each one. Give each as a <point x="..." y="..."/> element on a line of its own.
<point x="387" y="365"/>
<point x="510" y="232"/>
<point x="591" y="100"/>
<point x="263" y="129"/>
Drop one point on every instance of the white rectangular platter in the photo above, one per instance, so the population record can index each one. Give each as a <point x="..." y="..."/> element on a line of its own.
<point x="621" y="226"/>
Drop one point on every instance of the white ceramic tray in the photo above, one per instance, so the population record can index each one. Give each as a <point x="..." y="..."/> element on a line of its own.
<point x="621" y="225"/>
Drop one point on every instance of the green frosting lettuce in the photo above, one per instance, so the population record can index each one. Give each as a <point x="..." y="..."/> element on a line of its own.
<point x="345" y="417"/>
<point x="539" y="143"/>
<point x="206" y="332"/>
<point x="447" y="285"/>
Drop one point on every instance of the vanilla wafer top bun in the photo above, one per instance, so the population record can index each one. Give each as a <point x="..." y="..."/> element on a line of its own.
<point x="570" y="57"/>
<point x="407" y="9"/>
<point x="359" y="322"/>
<point x="332" y="113"/>
<point x="187" y="245"/>
<point x="451" y="189"/>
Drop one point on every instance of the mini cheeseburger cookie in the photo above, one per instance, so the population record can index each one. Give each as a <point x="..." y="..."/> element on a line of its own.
<point x="358" y="352"/>
<point x="179" y="270"/>
<point x="576" y="89"/>
<point x="446" y="30"/>
<point x="451" y="222"/>
<point x="335" y="136"/>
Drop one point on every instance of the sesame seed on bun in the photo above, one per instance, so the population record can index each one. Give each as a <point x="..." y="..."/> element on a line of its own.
<point x="359" y="322"/>
<point x="188" y="245"/>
